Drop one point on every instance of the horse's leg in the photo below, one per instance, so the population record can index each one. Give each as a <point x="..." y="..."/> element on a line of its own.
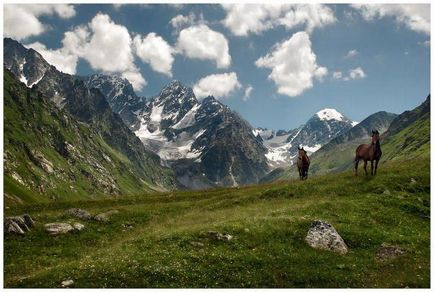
<point x="376" y="165"/>
<point x="372" y="167"/>
<point x="356" y="166"/>
<point x="364" y="166"/>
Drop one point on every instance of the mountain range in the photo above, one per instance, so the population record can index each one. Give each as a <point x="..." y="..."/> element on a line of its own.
<point x="171" y="140"/>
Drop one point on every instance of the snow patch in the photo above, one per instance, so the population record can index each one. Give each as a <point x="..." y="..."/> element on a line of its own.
<point x="313" y="148"/>
<point x="329" y="114"/>
<point x="188" y="119"/>
<point x="354" y="123"/>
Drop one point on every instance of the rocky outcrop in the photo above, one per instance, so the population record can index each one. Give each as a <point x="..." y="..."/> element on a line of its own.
<point x="386" y="252"/>
<point x="322" y="235"/>
<point x="18" y="224"/>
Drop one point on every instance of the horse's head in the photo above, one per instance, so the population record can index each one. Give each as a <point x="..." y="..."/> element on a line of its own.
<point x="301" y="151"/>
<point x="375" y="137"/>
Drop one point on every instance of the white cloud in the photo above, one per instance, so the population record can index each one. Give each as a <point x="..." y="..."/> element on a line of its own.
<point x="135" y="78"/>
<point x="22" y="20"/>
<point x="200" y="42"/>
<point x="293" y="65"/>
<point x="181" y="21"/>
<point x="155" y="51"/>
<point x="107" y="46"/>
<point x="357" y="73"/>
<point x="62" y="59"/>
<point x="337" y="75"/>
<point x="414" y="16"/>
<point x="247" y="92"/>
<point x="217" y="85"/>
<point x="244" y="19"/>
<point x="351" y="54"/>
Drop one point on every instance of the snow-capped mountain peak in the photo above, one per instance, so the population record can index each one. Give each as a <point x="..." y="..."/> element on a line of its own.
<point x="329" y="114"/>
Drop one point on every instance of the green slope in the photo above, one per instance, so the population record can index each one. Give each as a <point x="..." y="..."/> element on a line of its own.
<point x="49" y="155"/>
<point x="268" y="223"/>
<point x="408" y="136"/>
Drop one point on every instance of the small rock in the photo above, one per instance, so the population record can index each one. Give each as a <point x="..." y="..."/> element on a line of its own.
<point x="196" y="243"/>
<point x="322" y="235"/>
<point x="78" y="226"/>
<point x="388" y="252"/>
<point x="67" y="283"/>
<point x="219" y="236"/>
<point x="130" y="226"/>
<point x="79" y="213"/>
<point x="386" y="192"/>
<point x="104" y="217"/>
<point x="413" y="181"/>
<point x="58" y="228"/>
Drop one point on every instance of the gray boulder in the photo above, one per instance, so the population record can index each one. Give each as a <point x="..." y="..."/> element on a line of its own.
<point x="79" y="213"/>
<point x="28" y="220"/>
<point x="67" y="283"/>
<point x="78" y="226"/>
<point x="58" y="228"/>
<point x="322" y="235"/>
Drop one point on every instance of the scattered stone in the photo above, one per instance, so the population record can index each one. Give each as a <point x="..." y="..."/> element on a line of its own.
<point x="322" y="235"/>
<point x="58" y="228"/>
<point x="413" y="181"/>
<point x="130" y="226"/>
<point x="79" y="213"/>
<point x="78" y="226"/>
<point x="386" y="192"/>
<point x="67" y="283"/>
<point x="196" y="244"/>
<point x="104" y="217"/>
<point x="385" y="253"/>
<point x="18" y="224"/>
<point x="219" y="236"/>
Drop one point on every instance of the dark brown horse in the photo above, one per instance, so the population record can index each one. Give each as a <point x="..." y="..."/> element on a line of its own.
<point x="370" y="153"/>
<point x="303" y="162"/>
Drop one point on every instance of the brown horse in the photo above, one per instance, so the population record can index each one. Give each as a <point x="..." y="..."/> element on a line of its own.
<point x="370" y="153"/>
<point x="303" y="162"/>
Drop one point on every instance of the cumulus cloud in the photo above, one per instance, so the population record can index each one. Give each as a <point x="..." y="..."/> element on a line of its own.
<point x="217" y="85"/>
<point x="155" y="51"/>
<point x="357" y="73"/>
<point x="61" y="58"/>
<point x="351" y="54"/>
<point x="245" y="19"/>
<point x="201" y="42"/>
<point x="105" y="45"/>
<point x="293" y="65"/>
<point x="247" y="92"/>
<point x="414" y="16"/>
<point x="22" y="20"/>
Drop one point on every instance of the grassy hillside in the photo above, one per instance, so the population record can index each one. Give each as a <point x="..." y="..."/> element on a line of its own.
<point x="49" y="155"/>
<point x="168" y="245"/>
<point x="408" y="137"/>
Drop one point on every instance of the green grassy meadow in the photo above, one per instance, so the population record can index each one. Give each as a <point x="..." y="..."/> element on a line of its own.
<point x="168" y="245"/>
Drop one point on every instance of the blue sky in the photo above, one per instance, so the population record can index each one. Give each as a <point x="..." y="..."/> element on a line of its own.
<point x="359" y="60"/>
